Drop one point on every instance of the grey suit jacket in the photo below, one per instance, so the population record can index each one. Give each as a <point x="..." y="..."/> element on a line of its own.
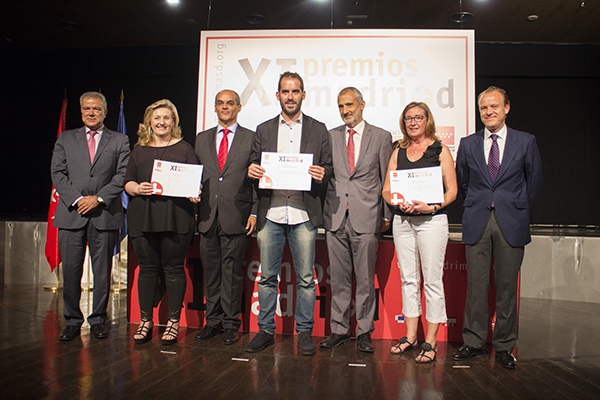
<point x="359" y="192"/>
<point x="73" y="176"/>
<point x="230" y="192"/>
<point x="315" y="140"/>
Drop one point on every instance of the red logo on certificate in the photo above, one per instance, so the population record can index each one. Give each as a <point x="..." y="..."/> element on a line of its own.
<point x="158" y="189"/>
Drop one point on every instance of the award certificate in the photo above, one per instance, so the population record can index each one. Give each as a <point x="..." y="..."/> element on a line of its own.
<point x="423" y="184"/>
<point x="285" y="171"/>
<point x="176" y="179"/>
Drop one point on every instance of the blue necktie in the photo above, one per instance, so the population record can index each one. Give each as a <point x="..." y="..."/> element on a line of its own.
<point x="494" y="160"/>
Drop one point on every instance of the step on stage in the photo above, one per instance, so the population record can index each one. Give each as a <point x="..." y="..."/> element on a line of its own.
<point x="558" y="357"/>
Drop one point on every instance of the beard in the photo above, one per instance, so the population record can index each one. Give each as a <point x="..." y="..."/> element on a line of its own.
<point x="291" y="112"/>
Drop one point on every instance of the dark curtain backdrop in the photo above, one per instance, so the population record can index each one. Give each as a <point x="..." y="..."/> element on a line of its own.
<point x="553" y="89"/>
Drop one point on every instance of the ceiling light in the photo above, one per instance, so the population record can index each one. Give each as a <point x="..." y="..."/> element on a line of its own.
<point x="461" y="17"/>
<point x="532" y="17"/>
<point x="255" y="19"/>
<point x="173" y="2"/>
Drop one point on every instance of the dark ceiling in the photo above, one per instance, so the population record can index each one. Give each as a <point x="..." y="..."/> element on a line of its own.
<point x="49" y="24"/>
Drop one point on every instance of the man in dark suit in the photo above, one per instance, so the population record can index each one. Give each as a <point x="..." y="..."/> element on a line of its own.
<point x="224" y="221"/>
<point x="88" y="169"/>
<point x="354" y="216"/>
<point x="499" y="173"/>
<point x="294" y="215"/>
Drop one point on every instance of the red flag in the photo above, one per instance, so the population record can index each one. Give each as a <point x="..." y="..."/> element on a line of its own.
<point x="52" y="254"/>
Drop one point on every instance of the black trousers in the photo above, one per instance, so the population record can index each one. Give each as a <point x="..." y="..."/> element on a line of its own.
<point x="71" y="243"/>
<point x="507" y="264"/>
<point x="166" y="250"/>
<point x="222" y="257"/>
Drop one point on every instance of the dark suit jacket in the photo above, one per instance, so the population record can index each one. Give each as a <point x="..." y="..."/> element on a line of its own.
<point x="360" y="191"/>
<point x="315" y="140"/>
<point x="231" y="191"/>
<point x="73" y="175"/>
<point x="518" y="183"/>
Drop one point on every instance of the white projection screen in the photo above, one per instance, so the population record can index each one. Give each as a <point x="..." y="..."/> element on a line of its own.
<point x="390" y="67"/>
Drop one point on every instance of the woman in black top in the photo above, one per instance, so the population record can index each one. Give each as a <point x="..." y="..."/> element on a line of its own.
<point x="161" y="228"/>
<point x="421" y="229"/>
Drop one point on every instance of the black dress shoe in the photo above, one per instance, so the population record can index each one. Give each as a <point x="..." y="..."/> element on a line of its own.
<point x="100" y="331"/>
<point x="306" y="346"/>
<point x="466" y="353"/>
<point x="506" y="359"/>
<point x="365" y="343"/>
<point x="208" y="332"/>
<point x="69" y="333"/>
<point x="230" y="336"/>
<point x="260" y="341"/>
<point x="334" y="341"/>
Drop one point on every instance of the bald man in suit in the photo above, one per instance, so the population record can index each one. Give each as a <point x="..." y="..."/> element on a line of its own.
<point x="227" y="216"/>
<point x="499" y="173"/>
<point x="88" y="170"/>
<point x="354" y="216"/>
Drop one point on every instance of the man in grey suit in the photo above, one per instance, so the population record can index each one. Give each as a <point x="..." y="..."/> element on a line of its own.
<point x="288" y="214"/>
<point x="88" y="168"/>
<point x="224" y="221"/>
<point x="354" y="217"/>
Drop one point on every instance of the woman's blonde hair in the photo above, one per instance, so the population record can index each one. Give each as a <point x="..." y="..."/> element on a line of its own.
<point x="145" y="136"/>
<point x="429" y="128"/>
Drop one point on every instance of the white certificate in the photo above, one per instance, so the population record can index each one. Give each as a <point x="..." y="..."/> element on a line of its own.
<point x="176" y="179"/>
<point x="422" y="184"/>
<point x="285" y="171"/>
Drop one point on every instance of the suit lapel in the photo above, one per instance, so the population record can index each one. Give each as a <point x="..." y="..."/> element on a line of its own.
<point x="81" y="139"/>
<point x="273" y="133"/>
<point x="106" y="137"/>
<point x="306" y="123"/>
<point x="212" y="148"/>
<point x="509" y="153"/>
<point x="479" y="156"/>
<point x="339" y="142"/>
<point x="238" y="138"/>
<point x="364" y="144"/>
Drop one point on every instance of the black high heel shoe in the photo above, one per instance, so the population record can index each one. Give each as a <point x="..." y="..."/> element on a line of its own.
<point x="144" y="330"/>
<point x="172" y="331"/>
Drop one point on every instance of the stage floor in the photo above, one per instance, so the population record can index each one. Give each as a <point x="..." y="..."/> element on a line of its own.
<point x="558" y="357"/>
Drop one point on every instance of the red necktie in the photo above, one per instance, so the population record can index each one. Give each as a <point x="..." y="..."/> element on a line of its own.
<point x="350" y="149"/>
<point x="92" y="145"/>
<point x="223" y="148"/>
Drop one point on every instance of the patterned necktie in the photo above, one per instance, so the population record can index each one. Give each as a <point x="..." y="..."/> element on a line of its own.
<point x="223" y="148"/>
<point x="494" y="159"/>
<point x="350" y="149"/>
<point x="92" y="145"/>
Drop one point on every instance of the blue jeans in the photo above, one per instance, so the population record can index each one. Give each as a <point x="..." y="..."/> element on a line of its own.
<point x="271" y="241"/>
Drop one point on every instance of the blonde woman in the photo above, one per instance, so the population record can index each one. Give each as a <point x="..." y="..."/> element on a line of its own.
<point x="161" y="228"/>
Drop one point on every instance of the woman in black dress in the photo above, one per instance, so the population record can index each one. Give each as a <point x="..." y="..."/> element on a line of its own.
<point x="161" y="228"/>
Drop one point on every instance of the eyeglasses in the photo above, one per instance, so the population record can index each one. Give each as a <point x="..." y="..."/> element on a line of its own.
<point x="416" y="118"/>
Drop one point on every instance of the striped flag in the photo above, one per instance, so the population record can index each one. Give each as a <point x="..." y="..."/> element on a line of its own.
<point x="51" y="250"/>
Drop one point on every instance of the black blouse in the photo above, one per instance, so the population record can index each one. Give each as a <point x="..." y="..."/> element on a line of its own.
<point x="158" y="213"/>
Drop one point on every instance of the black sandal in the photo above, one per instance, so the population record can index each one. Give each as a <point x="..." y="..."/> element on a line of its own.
<point x="144" y="330"/>
<point x="171" y="331"/>
<point x="426" y="347"/>
<point x="402" y="341"/>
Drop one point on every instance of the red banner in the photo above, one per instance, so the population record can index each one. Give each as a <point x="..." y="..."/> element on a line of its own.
<point x="52" y="254"/>
<point x="389" y="320"/>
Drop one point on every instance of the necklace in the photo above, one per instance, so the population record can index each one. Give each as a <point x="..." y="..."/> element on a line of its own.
<point x="160" y="156"/>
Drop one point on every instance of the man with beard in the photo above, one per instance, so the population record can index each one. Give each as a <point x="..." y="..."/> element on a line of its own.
<point x="288" y="214"/>
<point x="355" y="215"/>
